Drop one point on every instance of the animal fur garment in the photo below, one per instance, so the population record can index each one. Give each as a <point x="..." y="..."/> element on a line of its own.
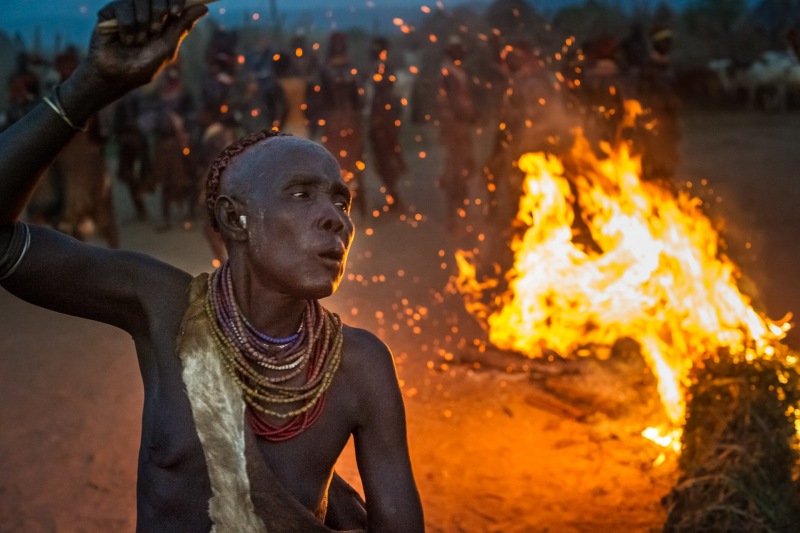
<point x="246" y="497"/>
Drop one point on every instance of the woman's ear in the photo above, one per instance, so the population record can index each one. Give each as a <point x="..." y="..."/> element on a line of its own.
<point x="231" y="220"/>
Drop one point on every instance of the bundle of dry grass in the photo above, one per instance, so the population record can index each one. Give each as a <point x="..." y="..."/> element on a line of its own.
<point x="740" y="451"/>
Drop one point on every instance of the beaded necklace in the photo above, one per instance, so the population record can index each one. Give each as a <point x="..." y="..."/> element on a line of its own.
<point x="261" y="365"/>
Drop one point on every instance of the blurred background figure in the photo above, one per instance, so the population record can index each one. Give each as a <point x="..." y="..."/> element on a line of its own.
<point x="661" y="137"/>
<point x="218" y="131"/>
<point x="292" y="86"/>
<point x="134" y="166"/>
<point x="341" y="103"/>
<point x="385" y="119"/>
<point x="306" y="63"/>
<point x="602" y="90"/>
<point x="173" y="168"/>
<point x="260" y="82"/>
<point x="217" y="85"/>
<point x="457" y="116"/>
<point x="635" y="51"/>
<point x="81" y="168"/>
<point x="23" y="91"/>
<point x="531" y="120"/>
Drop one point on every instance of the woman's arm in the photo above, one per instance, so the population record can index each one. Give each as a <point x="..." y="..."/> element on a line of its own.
<point x="116" y="63"/>
<point x="45" y="267"/>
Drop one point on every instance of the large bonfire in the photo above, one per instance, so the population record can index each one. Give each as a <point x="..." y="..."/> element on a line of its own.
<point x="605" y="255"/>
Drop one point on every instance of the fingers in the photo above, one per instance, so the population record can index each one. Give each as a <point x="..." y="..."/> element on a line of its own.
<point x="176" y="6"/>
<point x="142" y="9"/>
<point x="126" y="52"/>
<point x="177" y="27"/>
<point x="134" y="20"/>
<point x="158" y="14"/>
<point x="125" y="15"/>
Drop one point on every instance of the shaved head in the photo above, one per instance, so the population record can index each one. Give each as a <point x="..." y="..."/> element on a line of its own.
<point x="220" y="164"/>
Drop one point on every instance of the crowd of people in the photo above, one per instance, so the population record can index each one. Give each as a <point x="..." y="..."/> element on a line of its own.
<point x="166" y="134"/>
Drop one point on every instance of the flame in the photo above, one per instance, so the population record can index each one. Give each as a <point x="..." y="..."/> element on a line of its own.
<point x="671" y="439"/>
<point x="646" y="265"/>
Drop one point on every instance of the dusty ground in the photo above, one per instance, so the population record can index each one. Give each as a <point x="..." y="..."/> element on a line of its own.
<point x="488" y="453"/>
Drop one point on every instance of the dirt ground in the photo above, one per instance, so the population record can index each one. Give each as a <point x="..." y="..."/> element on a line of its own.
<point x="489" y="455"/>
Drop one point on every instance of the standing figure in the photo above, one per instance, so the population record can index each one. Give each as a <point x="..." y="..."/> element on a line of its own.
<point x="22" y="95"/>
<point x="261" y="87"/>
<point x="172" y="162"/>
<point x="81" y="168"/>
<point x="457" y="115"/>
<point x="661" y="140"/>
<point x="341" y="103"/>
<point x="134" y="167"/>
<point x="531" y="120"/>
<point x="602" y="90"/>
<point x="306" y="63"/>
<point x="217" y="86"/>
<point x="385" y="112"/>
<point x="292" y="86"/>
<point x="218" y="131"/>
<point x="635" y="51"/>
<point x="23" y="91"/>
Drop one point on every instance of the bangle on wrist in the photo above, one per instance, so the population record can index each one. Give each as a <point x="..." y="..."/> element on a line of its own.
<point x="16" y="250"/>
<point x="55" y="105"/>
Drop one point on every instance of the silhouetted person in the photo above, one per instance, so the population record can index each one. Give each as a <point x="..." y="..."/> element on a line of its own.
<point x="385" y="112"/>
<point x="456" y="115"/>
<point x="172" y="158"/>
<point x="291" y="88"/>
<point x="23" y="91"/>
<point x="341" y="103"/>
<point x="531" y="120"/>
<point x="662" y="138"/>
<point x="134" y="165"/>
<point x="81" y="167"/>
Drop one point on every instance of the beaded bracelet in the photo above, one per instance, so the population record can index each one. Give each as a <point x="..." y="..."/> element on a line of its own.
<point x="17" y="248"/>
<point x="55" y="105"/>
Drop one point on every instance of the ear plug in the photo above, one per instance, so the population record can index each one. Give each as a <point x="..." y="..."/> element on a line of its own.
<point x="243" y="221"/>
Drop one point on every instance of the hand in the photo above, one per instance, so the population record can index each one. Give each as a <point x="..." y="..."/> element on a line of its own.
<point x="148" y="37"/>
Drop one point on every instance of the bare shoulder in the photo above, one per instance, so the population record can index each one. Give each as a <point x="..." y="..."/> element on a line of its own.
<point x="161" y="285"/>
<point x="365" y="352"/>
<point x="163" y="295"/>
<point x="370" y="372"/>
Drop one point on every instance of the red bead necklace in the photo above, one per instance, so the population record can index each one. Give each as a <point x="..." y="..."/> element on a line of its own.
<point x="262" y="369"/>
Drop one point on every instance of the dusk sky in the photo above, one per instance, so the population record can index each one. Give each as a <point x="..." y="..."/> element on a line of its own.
<point x="17" y="10"/>
<point x="75" y="18"/>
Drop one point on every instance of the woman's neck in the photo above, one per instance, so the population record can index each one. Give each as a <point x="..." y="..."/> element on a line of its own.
<point x="273" y="313"/>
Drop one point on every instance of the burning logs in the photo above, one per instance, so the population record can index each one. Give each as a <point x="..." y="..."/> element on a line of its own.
<point x="740" y="449"/>
<point x="603" y="382"/>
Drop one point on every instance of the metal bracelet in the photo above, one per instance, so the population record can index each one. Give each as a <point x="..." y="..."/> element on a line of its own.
<point x="9" y="254"/>
<point x="55" y="105"/>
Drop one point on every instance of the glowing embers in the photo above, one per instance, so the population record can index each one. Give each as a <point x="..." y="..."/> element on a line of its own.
<point x="603" y="256"/>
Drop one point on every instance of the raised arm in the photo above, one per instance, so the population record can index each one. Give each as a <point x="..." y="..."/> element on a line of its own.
<point x="43" y="266"/>
<point x="393" y="503"/>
